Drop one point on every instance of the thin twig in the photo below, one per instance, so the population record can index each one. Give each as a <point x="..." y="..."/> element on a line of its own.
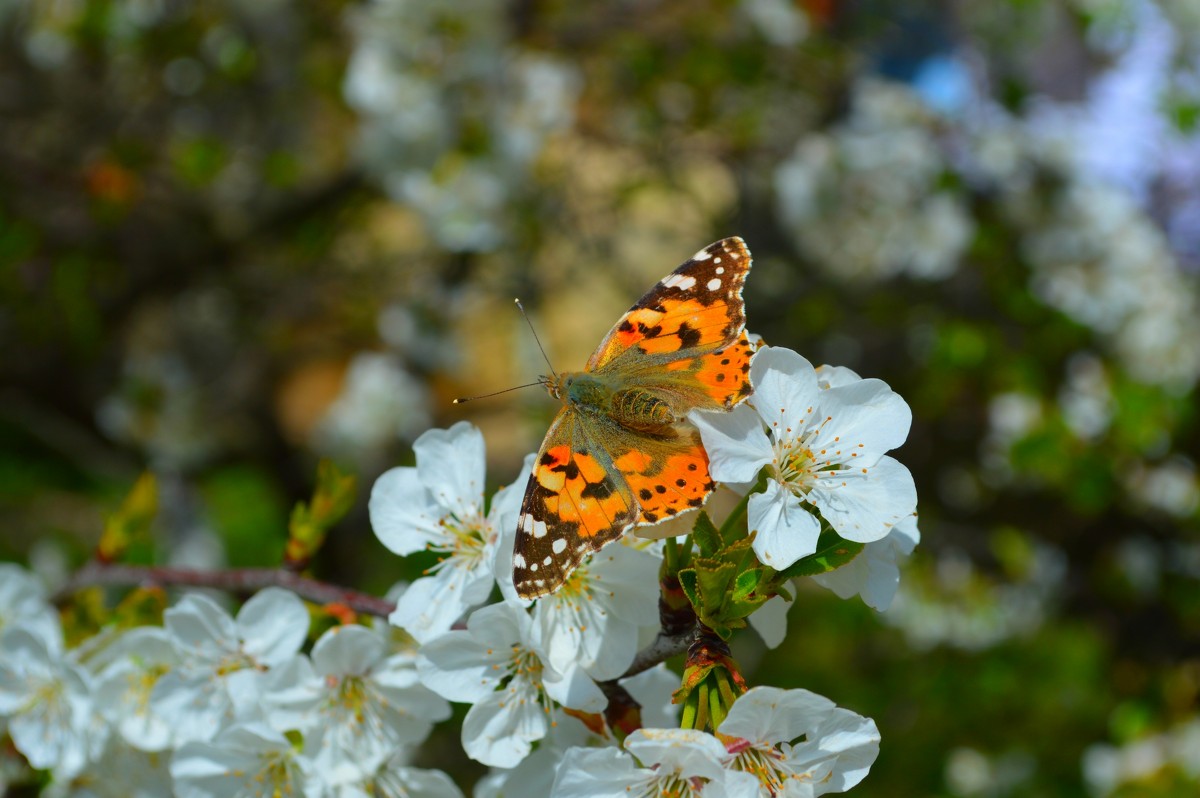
<point x="235" y="580"/>
<point x="660" y="650"/>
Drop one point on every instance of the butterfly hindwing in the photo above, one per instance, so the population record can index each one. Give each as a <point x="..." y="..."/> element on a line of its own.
<point x="575" y="503"/>
<point x="667" y="479"/>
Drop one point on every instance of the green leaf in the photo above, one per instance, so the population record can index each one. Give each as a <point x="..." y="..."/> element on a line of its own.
<point x="705" y="534"/>
<point x="689" y="580"/>
<point x="832" y="553"/>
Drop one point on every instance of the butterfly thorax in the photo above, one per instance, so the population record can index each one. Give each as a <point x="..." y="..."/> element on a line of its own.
<point x="634" y="408"/>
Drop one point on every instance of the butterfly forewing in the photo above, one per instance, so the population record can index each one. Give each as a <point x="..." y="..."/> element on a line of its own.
<point x="695" y="309"/>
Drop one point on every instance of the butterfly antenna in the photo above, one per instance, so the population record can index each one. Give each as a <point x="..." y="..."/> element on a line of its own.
<point x="521" y="308"/>
<point x="460" y="400"/>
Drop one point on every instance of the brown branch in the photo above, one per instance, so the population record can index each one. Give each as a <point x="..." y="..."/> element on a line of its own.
<point x="235" y="580"/>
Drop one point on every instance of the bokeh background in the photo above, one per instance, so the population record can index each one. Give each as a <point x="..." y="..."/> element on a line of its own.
<point x="237" y="236"/>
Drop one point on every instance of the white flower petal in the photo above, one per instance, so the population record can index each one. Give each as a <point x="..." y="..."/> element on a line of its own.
<point x="574" y="689"/>
<point x="403" y="514"/>
<point x="347" y="650"/>
<point x="686" y="752"/>
<point x="596" y="773"/>
<point x="201" y="629"/>
<point x="467" y="665"/>
<point x="772" y="715"/>
<point x="736" y="442"/>
<point x="770" y="620"/>
<point x="846" y="744"/>
<point x="197" y="704"/>
<point x="499" y="731"/>
<point x="785" y="530"/>
<point x="23" y="600"/>
<point x="433" y="603"/>
<point x="836" y="376"/>
<point x="653" y="689"/>
<point x="878" y="500"/>
<point x="785" y="389"/>
<point x="874" y="574"/>
<point x="867" y="415"/>
<point x="451" y="465"/>
<point x="272" y="625"/>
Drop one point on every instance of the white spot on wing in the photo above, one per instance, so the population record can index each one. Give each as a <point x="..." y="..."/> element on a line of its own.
<point x="720" y="270"/>
<point x="539" y="529"/>
<point x="703" y="254"/>
<point x="681" y="281"/>
<point x="559" y="546"/>
<point x="714" y="284"/>
<point x="548" y="560"/>
<point x="533" y="567"/>
<point x="518" y="561"/>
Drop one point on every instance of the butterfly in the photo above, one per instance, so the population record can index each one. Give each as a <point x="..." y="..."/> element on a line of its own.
<point x="621" y="452"/>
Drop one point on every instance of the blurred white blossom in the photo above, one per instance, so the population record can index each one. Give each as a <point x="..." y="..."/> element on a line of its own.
<point x="454" y="115"/>
<point x="380" y="402"/>
<point x="1107" y="768"/>
<point x="862" y="199"/>
<point x="965" y="609"/>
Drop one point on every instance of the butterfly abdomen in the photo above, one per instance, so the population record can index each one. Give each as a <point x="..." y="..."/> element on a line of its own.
<point x="639" y="409"/>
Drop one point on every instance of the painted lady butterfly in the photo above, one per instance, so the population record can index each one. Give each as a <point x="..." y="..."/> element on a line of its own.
<point x="621" y="451"/>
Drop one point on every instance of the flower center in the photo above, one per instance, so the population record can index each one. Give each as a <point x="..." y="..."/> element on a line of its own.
<point x="766" y="765"/>
<point x="803" y="459"/>
<point x="464" y="540"/>
<point x="670" y="785"/>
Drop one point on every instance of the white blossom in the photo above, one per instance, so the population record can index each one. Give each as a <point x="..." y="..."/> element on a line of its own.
<point x="23" y="600"/>
<point x="534" y="776"/>
<point x="244" y="761"/>
<point x="354" y="701"/>
<point x="676" y="762"/>
<point x="127" y="672"/>
<point x="438" y="506"/>
<point x="48" y="703"/>
<point x="219" y="678"/>
<point x="379" y="402"/>
<point x="497" y="665"/>
<point x="837" y="750"/>
<point x="824" y="448"/>
<point x="862" y="199"/>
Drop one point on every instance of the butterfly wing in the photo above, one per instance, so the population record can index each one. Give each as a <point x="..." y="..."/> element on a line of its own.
<point x="695" y="310"/>
<point x="575" y="503"/>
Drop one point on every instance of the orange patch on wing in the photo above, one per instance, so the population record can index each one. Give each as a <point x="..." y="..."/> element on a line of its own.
<point x="725" y="375"/>
<point x="633" y="461"/>
<point x="706" y="325"/>
<point x="683" y="483"/>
